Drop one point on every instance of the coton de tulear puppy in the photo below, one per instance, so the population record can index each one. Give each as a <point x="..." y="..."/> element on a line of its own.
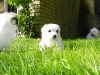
<point x="93" y="34"/>
<point x="8" y="22"/>
<point x="50" y="36"/>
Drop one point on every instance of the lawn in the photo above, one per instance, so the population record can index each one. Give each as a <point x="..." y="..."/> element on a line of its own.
<point x="80" y="57"/>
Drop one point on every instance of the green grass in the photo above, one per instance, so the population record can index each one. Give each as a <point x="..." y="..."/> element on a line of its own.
<point x="80" y="57"/>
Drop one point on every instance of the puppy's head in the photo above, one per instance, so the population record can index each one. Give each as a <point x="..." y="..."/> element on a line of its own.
<point x="50" y="31"/>
<point x="10" y="16"/>
<point x="13" y="18"/>
<point x="94" y="32"/>
<point x="9" y="19"/>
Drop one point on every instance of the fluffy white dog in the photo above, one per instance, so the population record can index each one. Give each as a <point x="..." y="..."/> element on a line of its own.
<point x="50" y="36"/>
<point x="93" y="34"/>
<point x="8" y="22"/>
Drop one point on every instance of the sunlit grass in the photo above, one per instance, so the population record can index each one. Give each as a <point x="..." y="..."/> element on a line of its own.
<point x="80" y="57"/>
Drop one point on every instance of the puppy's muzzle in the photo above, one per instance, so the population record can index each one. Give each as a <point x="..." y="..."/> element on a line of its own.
<point x="92" y="34"/>
<point x="54" y="36"/>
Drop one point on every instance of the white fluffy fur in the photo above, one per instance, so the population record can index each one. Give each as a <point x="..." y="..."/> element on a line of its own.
<point x="50" y="36"/>
<point x="93" y="34"/>
<point x="7" y="29"/>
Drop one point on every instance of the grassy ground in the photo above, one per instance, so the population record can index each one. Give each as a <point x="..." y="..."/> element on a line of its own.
<point x="80" y="57"/>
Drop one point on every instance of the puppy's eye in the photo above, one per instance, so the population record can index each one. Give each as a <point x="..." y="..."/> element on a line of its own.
<point x="49" y="31"/>
<point x="57" y="31"/>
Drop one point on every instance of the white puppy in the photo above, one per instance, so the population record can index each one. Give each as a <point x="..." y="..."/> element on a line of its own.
<point x="93" y="34"/>
<point x="50" y="36"/>
<point x="8" y="22"/>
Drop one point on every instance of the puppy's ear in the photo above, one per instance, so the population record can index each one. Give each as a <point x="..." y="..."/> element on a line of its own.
<point x="99" y="32"/>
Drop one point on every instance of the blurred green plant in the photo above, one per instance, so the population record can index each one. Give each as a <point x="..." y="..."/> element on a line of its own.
<point x="25" y="21"/>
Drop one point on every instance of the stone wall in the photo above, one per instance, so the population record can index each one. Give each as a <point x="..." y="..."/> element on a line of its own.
<point x="75" y="17"/>
<point x="86" y="17"/>
<point x="62" y="12"/>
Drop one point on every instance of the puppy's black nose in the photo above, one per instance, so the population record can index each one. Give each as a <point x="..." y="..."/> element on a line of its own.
<point x="92" y="34"/>
<point x="54" y="36"/>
